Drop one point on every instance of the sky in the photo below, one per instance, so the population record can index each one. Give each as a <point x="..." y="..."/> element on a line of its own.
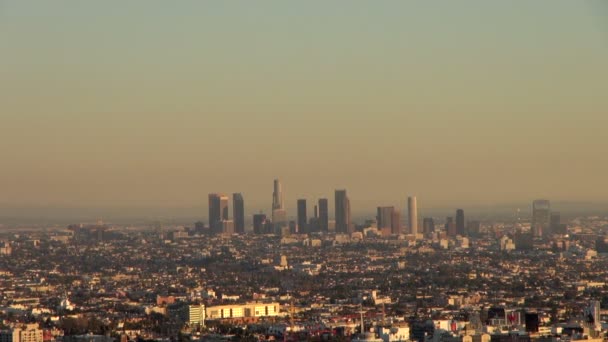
<point x="156" y="104"/>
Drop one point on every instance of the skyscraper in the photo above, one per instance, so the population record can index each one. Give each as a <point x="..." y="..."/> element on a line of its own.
<point x="323" y="215"/>
<point x="450" y="227"/>
<point x="541" y="211"/>
<point x="412" y="214"/>
<point x="259" y="223"/>
<point x="279" y="215"/>
<point x="384" y="218"/>
<point x="238" y="213"/>
<point x="460" y="222"/>
<point x="556" y="225"/>
<point x="277" y="195"/>
<point x="342" y="208"/>
<point x="218" y="211"/>
<point x="428" y="225"/>
<point x="396" y="222"/>
<point x="302" y="217"/>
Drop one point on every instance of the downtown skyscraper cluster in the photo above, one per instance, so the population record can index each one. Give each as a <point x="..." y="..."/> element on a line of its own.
<point x="388" y="219"/>
<point x="387" y="222"/>
<point x="219" y="221"/>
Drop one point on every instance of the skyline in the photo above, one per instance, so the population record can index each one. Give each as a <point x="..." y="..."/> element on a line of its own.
<point x="366" y="209"/>
<point x="171" y="102"/>
<point x="345" y="170"/>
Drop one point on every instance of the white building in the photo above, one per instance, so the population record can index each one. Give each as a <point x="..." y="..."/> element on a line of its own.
<point x="248" y="310"/>
<point x="412" y="210"/>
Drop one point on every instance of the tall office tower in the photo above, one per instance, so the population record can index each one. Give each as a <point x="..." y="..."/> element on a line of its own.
<point x="302" y="217"/>
<point x="218" y="211"/>
<point x="450" y="227"/>
<point x="279" y="215"/>
<point x="460" y="222"/>
<point x="343" y="224"/>
<point x="277" y="195"/>
<point x="412" y="215"/>
<point x="238" y="213"/>
<point x="313" y="223"/>
<point x="556" y="226"/>
<point x="224" y="207"/>
<point x="541" y="211"/>
<point x="323" y="215"/>
<point x="259" y="223"/>
<point x="384" y="217"/>
<point x="396" y="222"/>
<point x="428" y="225"/>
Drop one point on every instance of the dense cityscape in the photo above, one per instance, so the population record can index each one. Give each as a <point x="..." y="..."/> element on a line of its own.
<point x="345" y="170"/>
<point x="309" y="277"/>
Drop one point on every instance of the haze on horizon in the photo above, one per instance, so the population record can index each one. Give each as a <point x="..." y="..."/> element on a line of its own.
<point x="151" y="103"/>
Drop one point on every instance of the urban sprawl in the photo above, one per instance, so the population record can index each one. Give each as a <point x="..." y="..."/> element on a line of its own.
<point x="305" y="277"/>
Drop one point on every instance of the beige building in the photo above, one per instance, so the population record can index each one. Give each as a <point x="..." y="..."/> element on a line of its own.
<point x="22" y="333"/>
<point x="196" y="314"/>
<point x="248" y="310"/>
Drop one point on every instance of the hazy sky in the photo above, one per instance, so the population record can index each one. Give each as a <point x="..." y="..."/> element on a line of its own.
<point x="157" y="103"/>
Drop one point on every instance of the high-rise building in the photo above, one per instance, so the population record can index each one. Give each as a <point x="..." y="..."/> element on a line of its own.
<point x="238" y="213"/>
<point x="450" y="227"/>
<point x="556" y="225"/>
<point x="428" y="225"/>
<point x="384" y="217"/>
<point x="279" y="215"/>
<point x="323" y="215"/>
<point x="277" y="195"/>
<point x="412" y="214"/>
<point x="259" y="223"/>
<point x="396" y="222"/>
<point x="555" y="220"/>
<point x="541" y="211"/>
<point x="302" y="217"/>
<point x="342" y="209"/>
<point x="218" y="210"/>
<point x="460" y="222"/>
